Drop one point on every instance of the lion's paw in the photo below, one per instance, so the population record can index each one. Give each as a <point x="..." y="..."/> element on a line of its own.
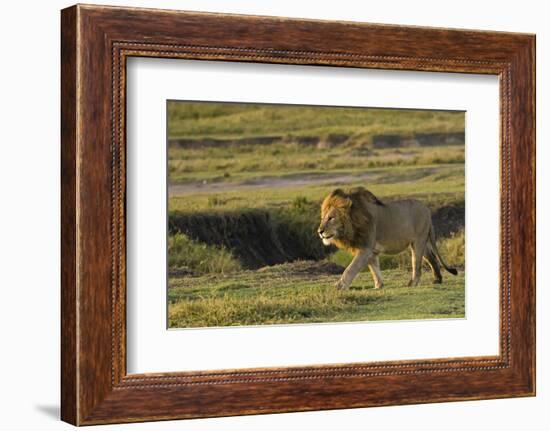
<point x="413" y="283"/>
<point x="340" y="284"/>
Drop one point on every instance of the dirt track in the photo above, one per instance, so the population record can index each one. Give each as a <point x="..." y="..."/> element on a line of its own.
<point x="272" y="182"/>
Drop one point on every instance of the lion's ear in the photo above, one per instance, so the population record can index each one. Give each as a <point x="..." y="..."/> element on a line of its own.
<point x="342" y="197"/>
<point x="338" y="192"/>
<point x="348" y="203"/>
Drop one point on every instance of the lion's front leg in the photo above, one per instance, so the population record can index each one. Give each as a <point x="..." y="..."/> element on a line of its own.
<point x="374" y="266"/>
<point x="358" y="262"/>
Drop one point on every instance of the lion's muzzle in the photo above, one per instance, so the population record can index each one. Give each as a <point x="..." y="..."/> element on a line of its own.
<point x="325" y="237"/>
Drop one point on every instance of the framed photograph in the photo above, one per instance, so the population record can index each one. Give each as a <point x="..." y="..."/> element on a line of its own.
<point x="265" y="215"/>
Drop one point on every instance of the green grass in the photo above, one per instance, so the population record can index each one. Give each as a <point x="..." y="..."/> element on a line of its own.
<point x="237" y="121"/>
<point x="241" y="162"/>
<point x="277" y="295"/>
<point x="443" y="186"/>
<point x="198" y="258"/>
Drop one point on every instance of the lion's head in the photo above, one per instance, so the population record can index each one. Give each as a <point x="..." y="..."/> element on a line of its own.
<point x="335" y="218"/>
<point x="344" y="217"/>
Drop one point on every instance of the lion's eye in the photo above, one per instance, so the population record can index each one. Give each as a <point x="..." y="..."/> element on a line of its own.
<point x="330" y="218"/>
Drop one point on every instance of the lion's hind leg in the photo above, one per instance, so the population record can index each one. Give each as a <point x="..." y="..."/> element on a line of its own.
<point x="418" y="250"/>
<point x="374" y="267"/>
<point x="434" y="265"/>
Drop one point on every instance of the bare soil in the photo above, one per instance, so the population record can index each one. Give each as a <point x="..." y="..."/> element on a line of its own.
<point x="294" y="180"/>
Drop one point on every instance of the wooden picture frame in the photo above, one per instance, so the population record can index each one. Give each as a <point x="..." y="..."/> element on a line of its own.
<point x="95" y="43"/>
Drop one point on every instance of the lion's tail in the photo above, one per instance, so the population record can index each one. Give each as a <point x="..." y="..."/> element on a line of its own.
<point x="436" y="252"/>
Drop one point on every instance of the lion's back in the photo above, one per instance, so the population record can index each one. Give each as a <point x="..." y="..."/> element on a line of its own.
<point x="406" y="219"/>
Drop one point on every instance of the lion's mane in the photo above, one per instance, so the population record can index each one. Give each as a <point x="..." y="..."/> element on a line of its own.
<point x="354" y="214"/>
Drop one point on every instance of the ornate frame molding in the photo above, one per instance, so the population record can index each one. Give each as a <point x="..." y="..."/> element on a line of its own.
<point x="96" y="41"/>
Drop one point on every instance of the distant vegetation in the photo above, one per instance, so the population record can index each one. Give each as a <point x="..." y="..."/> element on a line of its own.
<point x="238" y="121"/>
<point x="234" y="163"/>
<point x="246" y="182"/>
<point x="436" y="185"/>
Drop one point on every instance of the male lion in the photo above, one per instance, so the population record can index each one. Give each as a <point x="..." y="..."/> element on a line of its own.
<point x="357" y="221"/>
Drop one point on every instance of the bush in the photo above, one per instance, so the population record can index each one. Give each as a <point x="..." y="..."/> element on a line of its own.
<point x="296" y="227"/>
<point x="215" y="201"/>
<point x="300" y="203"/>
<point x="452" y="249"/>
<point x="199" y="258"/>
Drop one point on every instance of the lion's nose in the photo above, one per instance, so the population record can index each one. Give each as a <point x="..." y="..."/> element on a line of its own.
<point x="320" y="231"/>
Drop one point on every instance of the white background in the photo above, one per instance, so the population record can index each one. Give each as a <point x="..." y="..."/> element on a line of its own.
<point x="151" y="348"/>
<point x="29" y="216"/>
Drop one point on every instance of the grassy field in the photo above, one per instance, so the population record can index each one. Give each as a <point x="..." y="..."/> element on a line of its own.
<point x="289" y="294"/>
<point x="436" y="185"/>
<point x="239" y="192"/>
<point x="237" y="120"/>
<point x="236" y="163"/>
